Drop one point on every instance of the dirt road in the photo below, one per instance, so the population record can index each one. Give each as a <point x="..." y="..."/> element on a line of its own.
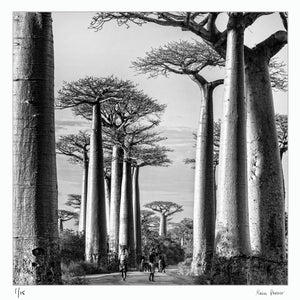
<point x="140" y="278"/>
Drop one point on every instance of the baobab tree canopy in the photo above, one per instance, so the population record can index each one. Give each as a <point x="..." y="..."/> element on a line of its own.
<point x="88" y="91"/>
<point x="126" y="104"/>
<point x="165" y="207"/>
<point x="202" y="24"/>
<point x="74" y="145"/>
<point x="178" y="57"/>
<point x="66" y="215"/>
<point x="150" y="156"/>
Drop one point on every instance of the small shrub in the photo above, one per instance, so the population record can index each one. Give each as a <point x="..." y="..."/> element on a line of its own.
<point x="73" y="272"/>
<point x="71" y="246"/>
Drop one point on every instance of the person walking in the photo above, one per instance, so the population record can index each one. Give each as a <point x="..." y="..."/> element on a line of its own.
<point x="123" y="258"/>
<point x="142" y="264"/>
<point x="152" y="261"/>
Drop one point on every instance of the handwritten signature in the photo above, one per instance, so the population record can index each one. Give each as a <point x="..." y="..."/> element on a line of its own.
<point x="270" y="293"/>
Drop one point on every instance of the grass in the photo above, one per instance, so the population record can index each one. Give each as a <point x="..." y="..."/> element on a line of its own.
<point x="72" y="273"/>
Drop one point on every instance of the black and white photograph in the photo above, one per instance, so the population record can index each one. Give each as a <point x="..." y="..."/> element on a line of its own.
<point x="150" y="148"/>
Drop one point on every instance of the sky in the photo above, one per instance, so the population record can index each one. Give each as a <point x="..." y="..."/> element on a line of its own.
<point x="80" y="51"/>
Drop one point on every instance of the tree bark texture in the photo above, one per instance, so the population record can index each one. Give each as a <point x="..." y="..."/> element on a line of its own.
<point x="96" y="234"/>
<point x="107" y="182"/>
<point x="82" y="217"/>
<point x="137" y="213"/>
<point x="35" y="231"/>
<point x="232" y="229"/>
<point x="163" y="225"/>
<point x="204" y="204"/>
<point x="126" y="231"/>
<point x="265" y="181"/>
<point x="116" y="181"/>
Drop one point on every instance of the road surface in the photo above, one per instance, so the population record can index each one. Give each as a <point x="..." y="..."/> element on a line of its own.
<point x="140" y="278"/>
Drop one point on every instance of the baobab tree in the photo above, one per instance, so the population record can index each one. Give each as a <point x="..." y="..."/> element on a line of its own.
<point x="191" y="59"/>
<point x="138" y="134"/>
<point x="265" y="187"/>
<point x="149" y="222"/>
<point x="117" y="115"/>
<point x="232" y="226"/>
<point x="65" y="216"/>
<point x="142" y="157"/>
<point x="76" y="147"/>
<point x="35" y="234"/>
<point x="165" y="210"/>
<point x="92" y="92"/>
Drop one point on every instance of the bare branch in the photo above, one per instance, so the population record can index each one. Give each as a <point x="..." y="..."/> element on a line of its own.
<point x="284" y="18"/>
<point x="273" y="44"/>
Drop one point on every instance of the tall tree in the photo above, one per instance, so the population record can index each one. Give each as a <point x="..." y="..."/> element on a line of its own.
<point x="35" y="234"/>
<point x="266" y="201"/>
<point x="65" y="216"/>
<point x="132" y="107"/>
<point x="191" y="59"/>
<point x="142" y="157"/>
<point x="165" y="210"/>
<point x="92" y="92"/>
<point x="76" y="147"/>
<point x="135" y="135"/>
<point x="232" y="227"/>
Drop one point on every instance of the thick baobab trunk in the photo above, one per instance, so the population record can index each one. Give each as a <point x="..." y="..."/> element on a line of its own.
<point x="115" y="198"/>
<point x="96" y="234"/>
<point x="265" y="182"/>
<point x="35" y="231"/>
<point x="204" y="205"/>
<point x="126" y="231"/>
<point x="232" y="226"/>
<point x="137" y="213"/>
<point x="163" y="225"/>
<point x="232" y="229"/>
<point x="107" y="184"/>
<point x="82" y="217"/>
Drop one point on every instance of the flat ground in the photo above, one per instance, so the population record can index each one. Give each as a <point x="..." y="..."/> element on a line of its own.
<point x="141" y="278"/>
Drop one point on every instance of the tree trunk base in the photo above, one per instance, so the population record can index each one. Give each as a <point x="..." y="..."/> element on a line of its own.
<point x="36" y="265"/>
<point x="267" y="272"/>
<point x="202" y="264"/>
<point x="230" y="271"/>
<point x="244" y="270"/>
<point x="100" y="260"/>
